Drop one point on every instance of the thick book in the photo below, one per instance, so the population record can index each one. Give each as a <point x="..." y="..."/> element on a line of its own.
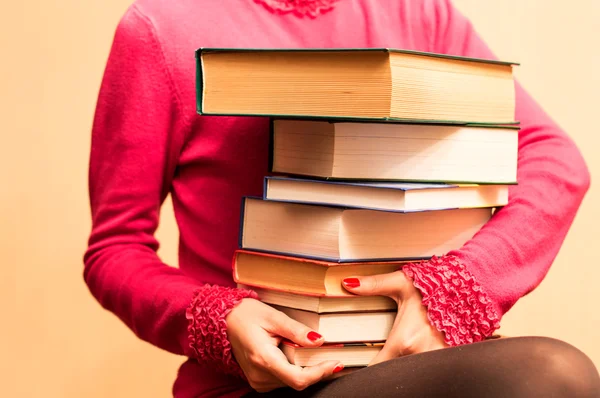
<point x="395" y="151"/>
<point x="360" y="83"/>
<point x="385" y="195"/>
<point x="322" y="304"/>
<point x="349" y="354"/>
<point x="301" y="275"/>
<point x="340" y="234"/>
<point x="346" y="327"/>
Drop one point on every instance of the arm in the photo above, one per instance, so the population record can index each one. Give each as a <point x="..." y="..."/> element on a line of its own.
<point x="467" y="291"/>
<point x="138" y="130"/>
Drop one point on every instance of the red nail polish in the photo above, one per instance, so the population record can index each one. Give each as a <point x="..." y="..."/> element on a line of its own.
<point x="351" y="282"/>
<point x="314" y="336"/>
<point x="338" y="368"/>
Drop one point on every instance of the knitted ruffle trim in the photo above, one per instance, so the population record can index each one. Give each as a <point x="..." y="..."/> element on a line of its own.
<point x="311" y="8"/>
<point x="207" y="328"/>
<point x="456" y="304"/>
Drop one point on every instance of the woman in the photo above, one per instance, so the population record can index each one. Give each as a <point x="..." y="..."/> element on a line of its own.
<point x="148" y="142"/>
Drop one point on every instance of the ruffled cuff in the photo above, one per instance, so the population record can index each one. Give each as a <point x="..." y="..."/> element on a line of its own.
<point x="207" y="329"/>
<point x="456" y="304"/>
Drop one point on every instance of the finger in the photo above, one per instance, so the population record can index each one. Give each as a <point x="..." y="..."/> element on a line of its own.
<point x="387" y="352"/>
<point x="284" y="326"/>
<point x="377" y="285"/>
<point x="295" y="376"/>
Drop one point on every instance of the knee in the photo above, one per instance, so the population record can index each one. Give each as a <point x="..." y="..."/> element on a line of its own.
<point x="564" y="369"/>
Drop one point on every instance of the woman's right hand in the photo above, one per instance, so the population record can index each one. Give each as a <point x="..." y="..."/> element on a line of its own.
<point x="255" y="331"/>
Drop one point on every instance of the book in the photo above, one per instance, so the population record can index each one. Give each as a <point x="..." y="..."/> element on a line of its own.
<point x="395" y="151"/>
<point x="301" y="275"/>
<point x="385" y="195"/>
<point x="359" y="83"/>
<point x="349" y="354"/>
<point x="323" y="304"/>
<point x="346" y="327"/>
<point x="340" y="234"/>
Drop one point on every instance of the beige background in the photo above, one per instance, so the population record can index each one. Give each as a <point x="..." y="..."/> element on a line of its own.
<point x="57" y="342"/>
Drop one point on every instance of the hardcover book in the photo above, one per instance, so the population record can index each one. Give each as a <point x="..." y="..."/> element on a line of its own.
<point x="375" y="83"/>
<point x="346" y="327"/>
<point x="338" y="234"/>
<point x="301" y="275"/>
<point x="393" y="196"/>
<point x="395" y="151"/>
<point x="322" y="304"/>
<point x="349" y="354"/>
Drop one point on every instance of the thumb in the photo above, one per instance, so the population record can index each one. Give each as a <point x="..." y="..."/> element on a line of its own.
<point x="391" y="285"/>
<point x="387" y="353"/>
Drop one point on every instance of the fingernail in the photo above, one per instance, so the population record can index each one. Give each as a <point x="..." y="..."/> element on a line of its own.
<point x="314" y="336"/>
<point x="351" y="282"/>
<point x="338" y="368"/>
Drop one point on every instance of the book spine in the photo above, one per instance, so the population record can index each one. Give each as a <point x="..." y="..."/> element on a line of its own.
<point x="199" y="82"/>
<point x="242" y="217"/>
<point x="271" y="144"/>
<point x="265" y="187"/>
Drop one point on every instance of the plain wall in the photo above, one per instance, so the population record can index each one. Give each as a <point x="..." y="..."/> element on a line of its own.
<point x="55" y="339"/>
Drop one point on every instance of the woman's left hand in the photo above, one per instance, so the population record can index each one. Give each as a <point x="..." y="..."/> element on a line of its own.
<point x="412" y="332"/>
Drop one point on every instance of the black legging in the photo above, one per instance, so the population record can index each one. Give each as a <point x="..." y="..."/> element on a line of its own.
<point x="509" y="367"/>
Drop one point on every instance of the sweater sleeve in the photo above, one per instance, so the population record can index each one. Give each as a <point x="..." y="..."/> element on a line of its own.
<point x="138" y="130"/>
<point x="468" y="290"/>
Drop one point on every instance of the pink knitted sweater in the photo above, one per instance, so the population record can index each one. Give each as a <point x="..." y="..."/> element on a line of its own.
<point x="148" y="142"/>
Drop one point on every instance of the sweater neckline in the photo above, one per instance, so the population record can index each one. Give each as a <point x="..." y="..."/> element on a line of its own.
<point x="300" y="8"/>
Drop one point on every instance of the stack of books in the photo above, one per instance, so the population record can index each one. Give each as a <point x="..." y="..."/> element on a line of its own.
<point x="378" y="157"/>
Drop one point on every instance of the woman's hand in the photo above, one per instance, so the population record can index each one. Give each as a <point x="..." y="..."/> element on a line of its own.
<point x="255" y="331"/>
<point x="412" y="332"/>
